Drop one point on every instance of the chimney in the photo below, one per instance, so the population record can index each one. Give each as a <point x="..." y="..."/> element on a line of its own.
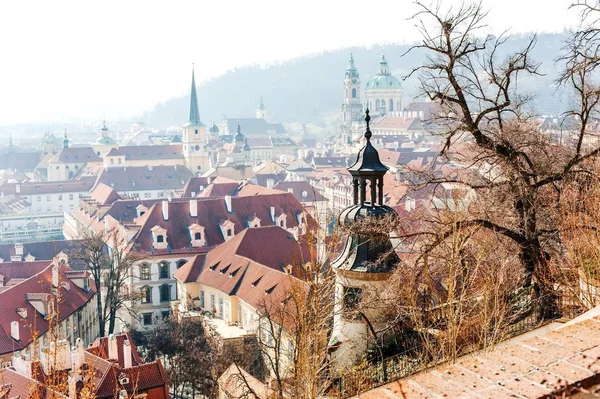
<point x="55" y="275"/>
<point x="73" y="379"/>
<point x="80" y="351"/>
<point x="14" y="330"/>
<point x="273" y="214"/>
<point x="291" y="190"/>
<point x="19" y="249"/>
<point x="75" y="362"/>
<point x="193" y="208"/>
<point x="228" y="203"/>
<point x="18" y="188"/>
<point x="113" y="350"/>
<point x="270" y="183"/>
<point x="165" y="209"/>
<point x="127" y="354"/>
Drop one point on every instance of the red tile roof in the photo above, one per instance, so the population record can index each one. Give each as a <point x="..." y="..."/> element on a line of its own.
<point x="541" y="366"/>
<point x="72" y="299"/>
<point x="104" y="195"/>
<point x="211" y="212"/>
<point x="245" y="267"/>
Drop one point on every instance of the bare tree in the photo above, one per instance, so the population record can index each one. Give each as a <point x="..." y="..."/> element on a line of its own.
<point x="109" y="259"/>
<point x="486" y="128"/>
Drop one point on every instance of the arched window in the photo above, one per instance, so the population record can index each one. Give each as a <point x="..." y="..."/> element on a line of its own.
<point x="146" y="294"/>
<point x="196" y="131"/>
<point x="391" y="109"/>
<point x="112" y="161"/>
<point x="165" y="293"/>
<point x="145" y="272"/>
<point x="229" y="232"/>
<point x="163" y="270"/>
<point x="353" y="93"/>
<point x="181" y="263"/>
<point x="377" y="105"/>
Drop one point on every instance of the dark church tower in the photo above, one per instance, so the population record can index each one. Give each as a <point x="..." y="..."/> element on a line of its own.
<point x="368" y="257"/>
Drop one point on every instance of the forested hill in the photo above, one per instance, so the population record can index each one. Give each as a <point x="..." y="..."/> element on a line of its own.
<point x="307" y="88"/>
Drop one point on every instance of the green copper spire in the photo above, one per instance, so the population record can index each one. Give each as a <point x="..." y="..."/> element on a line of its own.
<point x="194" y="113"/>
<point x="261" y="105"/>
<point x="65" y="140"/>
<point x="351" y="71"/>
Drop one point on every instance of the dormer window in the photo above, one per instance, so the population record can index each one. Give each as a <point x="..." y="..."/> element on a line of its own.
<point x="254" y="222"/>
<point x="281" y="220"/>
<point x="227" y="229"/>
<point x="141" y="209"/>
<point x="159" y="237"/>
<point x="197" y="236"/>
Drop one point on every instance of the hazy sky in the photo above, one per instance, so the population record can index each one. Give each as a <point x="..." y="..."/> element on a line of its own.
<point x="68" y="60"/>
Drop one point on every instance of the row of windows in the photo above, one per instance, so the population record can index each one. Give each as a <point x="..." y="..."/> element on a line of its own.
<point x="163" y="269"/>
<point x="49" y="197"/>
<point x="164" y="291"/>
<point x="147" y="318"/>
<point x="49" y="208"/>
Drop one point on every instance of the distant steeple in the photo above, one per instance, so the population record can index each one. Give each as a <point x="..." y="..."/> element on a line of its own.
<point x="194" y="112"/>
<point x="104" y="129"/>
<point x="65" y="140"/>
<point x="384" y="68"/>
<point x="10" y="141"/>
<point x="261" y="110"/>
<point x="239" y="137"/>
<point x="351" y="71"/>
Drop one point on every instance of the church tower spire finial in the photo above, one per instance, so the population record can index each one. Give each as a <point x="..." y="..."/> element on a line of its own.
<point x="194" y="119"/>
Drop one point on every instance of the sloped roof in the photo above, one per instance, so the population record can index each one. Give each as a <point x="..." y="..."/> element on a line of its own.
<point x="268" y="167"/>
<point x="543" y="365"/>
<point x="104" y="194"/>
<point x="15" y="385"/>
<point x="43" y="250"/>
<point x="219" y="187"/>
<point x="142" y="376"/>
<point x="396" y="123"/>
<point x="193" y="186"/>
<point x="211" y="212"/>
<point x="32" y="188"/>
<point x="20" y="161"/>
<point x="255" y="126"/>
<point x="76" y="155"/>
<point x="245" y="267"/>
<point x="137" y="178"/>
<point x="302" y="190"/>
<point x="15" y="297"/>
<point x="143" y="152"/>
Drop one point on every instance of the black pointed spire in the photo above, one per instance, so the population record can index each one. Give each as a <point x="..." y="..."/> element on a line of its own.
<point x="368" y="157"/>
<point x="368" y="133"/>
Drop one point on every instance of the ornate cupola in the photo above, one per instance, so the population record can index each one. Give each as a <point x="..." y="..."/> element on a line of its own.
<point x="367" y="251"/>
<point x="367" y="259"/>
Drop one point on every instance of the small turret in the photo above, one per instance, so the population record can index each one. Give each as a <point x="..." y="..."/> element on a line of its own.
<point x="65" y="140"/>
<point x="261" y="110"/>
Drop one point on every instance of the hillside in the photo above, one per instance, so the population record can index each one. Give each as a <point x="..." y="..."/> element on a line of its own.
<point x="306" y="89"/>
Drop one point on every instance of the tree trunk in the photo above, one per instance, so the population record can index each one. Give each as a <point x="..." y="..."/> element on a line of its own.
<point x="101" y="321"/>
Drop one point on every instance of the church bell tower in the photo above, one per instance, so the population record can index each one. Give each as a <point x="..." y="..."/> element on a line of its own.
<point x="194" y="137"/>
<point x="367" y="259"/>
<point x="351" y="107"/>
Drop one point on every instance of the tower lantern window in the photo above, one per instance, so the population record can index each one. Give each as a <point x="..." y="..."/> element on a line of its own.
<point x="196" y="131"/>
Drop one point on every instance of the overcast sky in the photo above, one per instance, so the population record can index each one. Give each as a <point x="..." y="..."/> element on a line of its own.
<point x="68" y="60"/>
